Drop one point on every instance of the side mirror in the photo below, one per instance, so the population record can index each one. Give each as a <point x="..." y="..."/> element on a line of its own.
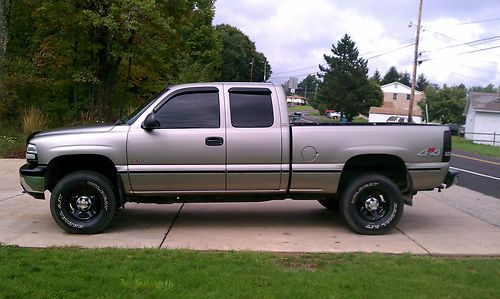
<point x="150" y="122"/>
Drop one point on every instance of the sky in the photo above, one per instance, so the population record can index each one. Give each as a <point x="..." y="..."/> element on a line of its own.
<point x="295" y="34"/>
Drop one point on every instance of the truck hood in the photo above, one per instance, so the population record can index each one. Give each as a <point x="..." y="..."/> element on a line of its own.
<point x="76" y="130"/>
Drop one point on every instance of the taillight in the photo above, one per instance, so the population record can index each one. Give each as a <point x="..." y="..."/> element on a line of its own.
<point x="446" y="146"/>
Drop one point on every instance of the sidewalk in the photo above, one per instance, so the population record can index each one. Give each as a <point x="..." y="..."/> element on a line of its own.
<point x="430" y="227"/>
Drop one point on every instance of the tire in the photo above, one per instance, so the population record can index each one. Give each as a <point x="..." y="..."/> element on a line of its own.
<point x="372" y="204"/>
<point x="331" y="203"/>
<point x="83" y="202"/>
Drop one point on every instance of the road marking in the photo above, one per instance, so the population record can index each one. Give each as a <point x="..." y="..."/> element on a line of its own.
<point x="476" y="159"/>
<point x="476" y="173"/>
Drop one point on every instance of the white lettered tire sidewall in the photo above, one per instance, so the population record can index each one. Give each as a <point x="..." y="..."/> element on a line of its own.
<point x="363" y="185"/>
<point x="96" y="184"/>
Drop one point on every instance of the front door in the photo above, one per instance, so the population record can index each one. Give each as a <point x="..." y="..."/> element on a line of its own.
<point x="188" y="150"/>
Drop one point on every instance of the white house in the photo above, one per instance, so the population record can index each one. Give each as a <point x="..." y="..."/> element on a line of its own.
<point x="296" y="100"/>
<point x="482" y="123"/>
<point x="396" y="103"/>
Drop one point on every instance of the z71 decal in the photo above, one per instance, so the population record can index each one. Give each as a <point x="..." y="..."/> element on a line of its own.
<point x="431" y="151"/>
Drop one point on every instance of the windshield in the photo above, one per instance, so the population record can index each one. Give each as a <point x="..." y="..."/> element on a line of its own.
<point x="132" y="117"/>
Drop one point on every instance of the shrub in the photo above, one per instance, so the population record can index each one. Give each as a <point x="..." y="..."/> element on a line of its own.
<point x="33" y="120"/>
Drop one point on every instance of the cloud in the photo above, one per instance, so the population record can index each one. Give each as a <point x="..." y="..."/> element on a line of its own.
<point x="295" y="34"/>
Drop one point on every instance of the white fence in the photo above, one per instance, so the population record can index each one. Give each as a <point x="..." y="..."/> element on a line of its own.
<point x="484" y="138"/>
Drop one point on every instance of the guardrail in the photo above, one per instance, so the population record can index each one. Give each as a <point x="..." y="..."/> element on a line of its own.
<point x="494" y="141"/>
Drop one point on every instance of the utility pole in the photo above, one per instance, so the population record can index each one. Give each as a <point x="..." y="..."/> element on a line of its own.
<point x="251" y="70"/>
<point x="415" y="63"/>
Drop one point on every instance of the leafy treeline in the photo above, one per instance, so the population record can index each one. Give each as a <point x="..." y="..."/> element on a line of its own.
<point x="88" y="60"/>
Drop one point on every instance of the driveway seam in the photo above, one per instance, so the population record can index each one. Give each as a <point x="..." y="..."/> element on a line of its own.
<point x="171" y="225"/>
<point x="10" y="197"/>
<point x="414" y="241"/>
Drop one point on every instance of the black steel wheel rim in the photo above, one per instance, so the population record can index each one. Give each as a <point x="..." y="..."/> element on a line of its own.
<point x="83" y="204"/>
<point x="372" y="205"/>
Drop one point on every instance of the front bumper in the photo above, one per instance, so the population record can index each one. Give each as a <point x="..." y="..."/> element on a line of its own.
<point x="33" y="180"/>
<point x="451" y="178"/>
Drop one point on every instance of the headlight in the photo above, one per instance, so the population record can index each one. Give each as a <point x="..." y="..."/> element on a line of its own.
<point x="31" y="152"/>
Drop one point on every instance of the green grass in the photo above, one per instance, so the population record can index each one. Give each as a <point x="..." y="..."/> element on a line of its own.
<point x="300" y="108"/>
<point x="480" y="149"/>
<point x="120" y="273"/>
<point x="12" y="142"/>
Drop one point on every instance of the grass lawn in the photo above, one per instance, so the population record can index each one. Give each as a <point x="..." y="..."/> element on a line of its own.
<point x="12" y="142"/>
<point x="121" y="273"/>
<point x="300" y="108"/>
<point x="480" y="149"/>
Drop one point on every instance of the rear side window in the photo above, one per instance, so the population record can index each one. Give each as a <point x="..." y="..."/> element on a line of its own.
<point x="251" y="108"/>
<point x="190" y="110"/>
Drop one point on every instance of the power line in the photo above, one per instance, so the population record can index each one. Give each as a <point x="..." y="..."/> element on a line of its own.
<point x="324" y="65"/>
<point x="462" y="53"/>
<point x="480" y="21"/>
<point x="471" y="43"/>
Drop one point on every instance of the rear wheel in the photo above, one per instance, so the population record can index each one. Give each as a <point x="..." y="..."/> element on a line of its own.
<point x="83" y="202"/>
<point x="372" y="204"/>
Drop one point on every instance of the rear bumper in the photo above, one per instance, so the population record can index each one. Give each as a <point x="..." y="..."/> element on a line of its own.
<point x="451" y="178"/>
<point x="32" y="180"/>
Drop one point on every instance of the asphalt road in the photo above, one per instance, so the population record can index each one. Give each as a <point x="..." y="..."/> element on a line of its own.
<point x="478" y="173"/>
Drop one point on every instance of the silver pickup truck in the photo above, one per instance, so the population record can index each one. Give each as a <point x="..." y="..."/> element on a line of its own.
<point x="212" y="142"/>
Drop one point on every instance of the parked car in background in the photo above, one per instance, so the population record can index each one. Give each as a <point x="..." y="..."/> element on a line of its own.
<point x="454" y="129"/>
<point x="332" y="114"/>
<point x="397" y="119"/>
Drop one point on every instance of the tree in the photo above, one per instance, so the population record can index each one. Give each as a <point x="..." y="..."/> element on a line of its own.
<point x="405" y="78"/>
<point x="377" y="77"/>
<point x="345" y="85"/>
<point x="308" y="85"/>
<point x="392" y="75"/>
<point x="490" y="88"/>
<point x="422" y="82"/>
<point x="240" y="59"/>
<point x="445" y="105"/>
<point x="104" y="57"/>
<point x="4" y="29"/>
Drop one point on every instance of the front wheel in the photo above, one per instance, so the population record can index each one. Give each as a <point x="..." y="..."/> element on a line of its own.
<point x="83" y="202"/>
<point x="372" y="204"/>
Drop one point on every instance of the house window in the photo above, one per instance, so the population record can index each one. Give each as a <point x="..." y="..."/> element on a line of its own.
<point x="407" y="97"/>
<point x="394" y="96"/>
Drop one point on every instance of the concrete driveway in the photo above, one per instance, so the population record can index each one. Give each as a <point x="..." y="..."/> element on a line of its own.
<point x="430" y="227"/>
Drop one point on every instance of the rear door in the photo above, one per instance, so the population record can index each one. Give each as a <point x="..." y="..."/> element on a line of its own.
<point x="253" y="137"/>
<point x="187" y="152"/>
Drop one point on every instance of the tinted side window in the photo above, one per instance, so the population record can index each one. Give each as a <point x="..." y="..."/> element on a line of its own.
<point x="251" y="110"/>
<point x="190" y="110"/>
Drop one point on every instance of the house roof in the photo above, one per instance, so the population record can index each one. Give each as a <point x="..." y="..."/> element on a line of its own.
<point x="485" y="102"/>
<point x="396" y="87"/>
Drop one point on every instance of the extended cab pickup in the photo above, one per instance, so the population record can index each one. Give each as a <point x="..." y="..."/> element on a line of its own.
<point x="213" y="142"/>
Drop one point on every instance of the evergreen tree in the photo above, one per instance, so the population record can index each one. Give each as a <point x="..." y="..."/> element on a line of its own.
<point x="405" y="78"/>
<point x="345" y="85"/>
<point x="377" y="77"/>
<point x="422" y="82"/>
<point x="392" y="75"/>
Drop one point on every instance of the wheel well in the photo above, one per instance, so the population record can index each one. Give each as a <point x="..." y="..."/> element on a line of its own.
<point x="390" y="166"/>
<point x="61" y="166"/>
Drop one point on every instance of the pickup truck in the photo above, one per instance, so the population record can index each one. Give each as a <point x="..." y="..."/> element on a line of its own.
<point x="213" y="142"/>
